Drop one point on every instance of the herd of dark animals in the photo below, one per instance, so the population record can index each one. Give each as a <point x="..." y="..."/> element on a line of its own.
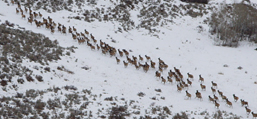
<point x="89" y="39"/>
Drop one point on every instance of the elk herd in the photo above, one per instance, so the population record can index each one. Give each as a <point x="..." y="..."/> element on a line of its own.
<point x="146" y="63"/>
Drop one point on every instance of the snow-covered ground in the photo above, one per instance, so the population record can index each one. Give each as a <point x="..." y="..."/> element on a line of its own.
<point x="180" y="45"/>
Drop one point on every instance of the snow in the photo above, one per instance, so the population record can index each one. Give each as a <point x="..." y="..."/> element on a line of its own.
<point x="179" y="45"/>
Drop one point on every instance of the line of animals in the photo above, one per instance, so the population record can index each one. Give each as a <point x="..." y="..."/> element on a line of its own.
<point x="105" y="48"/>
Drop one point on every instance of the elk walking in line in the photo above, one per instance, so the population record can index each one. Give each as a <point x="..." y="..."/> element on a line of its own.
<point x="188" y="95"/>
<point x="235" y="98"/>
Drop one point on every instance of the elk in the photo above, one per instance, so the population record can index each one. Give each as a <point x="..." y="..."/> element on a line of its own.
<point x="157" y="74"/>
<point x="190" y="76"/>
<point x="152" y="64"/>
<point x="213" y="90"/>
<point x="80" y="40"/>
<point x="179" y="88"/>
<point x="169" y="79"/>
<point x="220" y="93"/>
<point x="52" y="31"/>
<point x="146" y="67"/>
<point x="244" y="103"/>
<point x="215" y="97"/>
<point x="141" y="58"/>
<point x="70" y="30"/>
<point x="74" y="29"/>
<point x="211" y="99"/>
<point x="118" y="60"/>
<point x="201" y="79"/>
<point x="214" y="84"/>
<point x="177" y="70"/>
<point x="74" y="36"/>
<point x="229" y="103"/>
<point x="248" y="111"/>
<point x="254" y="115"/>
<point x="188" y="95"/>
<point x="23" y="16"/>
<point x="126" y="52"/>
<point x="147" y="57"/>
<point x="160" y="69"/>
<point x="98" y="47"/>
<point x="217" y="105"/>
<point x="137" y="67"/>
<point x="224" y="97"/>
<point x="163" y="80"/>
<point x="92" y="47"/>
<point x="161" y="61"/>
<point x="26" y="9"/>
<point x="35" y="14"/>
<point x="170" y="73"/>
<point x="189" y="82"/>
<point x="120" y="52"/>
<point x="59" y="28"/>
<point x="177" y="79"/>
<point x="86" y="32"/>
<point x="125" y="64"/>
<point x="235" y="98"/>
<point x="203" y="87"/>
<point x="17" y="11"/>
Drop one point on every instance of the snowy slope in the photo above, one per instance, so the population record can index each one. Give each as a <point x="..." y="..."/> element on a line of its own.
<point x="179" y="45"/>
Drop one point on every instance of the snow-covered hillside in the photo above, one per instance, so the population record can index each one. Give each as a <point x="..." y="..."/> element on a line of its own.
<point x="89" y="84"/>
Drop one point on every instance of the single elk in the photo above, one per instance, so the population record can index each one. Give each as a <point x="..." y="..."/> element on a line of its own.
<point x="40" y="15"/>
<point x="35" y="14"/>
<point x="248" y="111"/>
<point x="179" y="88"/>
<point x="161" y="61"/>
<point x="74" y="29"/>
<point x="163" y="80"/>
<point x="147" y="57"/>
<point x="211" y="99"/>
<point x="203" y="87"/>
<point x="160" y="69"/>
<point x="118" y="60"/>
<point x="23" y="16"/>
<point x="214" y="84"/>
<point x="235" y="98"/>
<point x="188" y="95"/>
<point x="169" y="79"/>
<point x="220" y="93"/>
<point x="190" y="76"/>
<point x="152" y="64"/>
<point x="215" y="97"/>
<point x="189" y="82"/>
<point x="217" y="105"/>
<point x="126" y="52"/>
<point x="213" y="90"/>
<point x="86" y="32"/>
<point x="198" y="95"/>
<point x="141" y="58"/>
<point x="244" y="103"/>
<point x="254" y="115"/>
<point x="201" y="79"/>
<point x="17" y="11"/>
<point x="229" y="103"/>
<point x="125" y="64"/>
<point x="120" y="52"/>
<point x="157" y="74"/>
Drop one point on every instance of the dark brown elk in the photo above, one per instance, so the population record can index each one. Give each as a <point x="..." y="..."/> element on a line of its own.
<point x="217" y="105"/>
<point x="213" y="90"/>
<point x="198" y="95"/>
<point x="118" y="60"/>
<point x="220" y="93"/>
<point x="248" y="111"/>
<point x="188" y="95"/>
<point x="52" y="31"/>
<point x="229" y="103"/>
<point x="74" y="36"/>
<point x="152" y="64"/>
<point x="235" y="98"/>
<point x="98" y="47"/>
<point x="157" y="74"/>
<point x="224" y="97"/>
<point x="86" y="32"/>
<point x="170" y="73"/>
<point x="163" y="80"/>
<point x="147" y="57"/>
<point x="146" y="67"/>
<point x="74" y="29"/>
<point x="214" y="84"/>
<point x="92" y="47"/>
<point x="189" y="82"/>
<point x="160" y="69"/>
<point x="17" y="11"/>
<point x="177" y="70"/>
<point x="254" y="115"/>
<point x="137" y="67"/>
<point x="26" y="9"/>
<point x="141" y="58"/>
<point x="126" y="52"/>
<point x="203" y="87"/>
<point x="244" y="103"/>
<point x="215" y="97"/>
<point x="169" y="79"/>
<point x="190" y="76"/>
<point x="23" y="16"/>
<point x="35" y="14"/>
<point x="125" y="64"/>
<point x="179" y="88"/>
<point x="120" y="52"/>
<point x="161" y="61"/>
<point x="70" y="30"/>
<point x="211" y="99"/>
<point x="80" y="40"/>
<point x="201" y="79"/>
<point x="59" y="29"/>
